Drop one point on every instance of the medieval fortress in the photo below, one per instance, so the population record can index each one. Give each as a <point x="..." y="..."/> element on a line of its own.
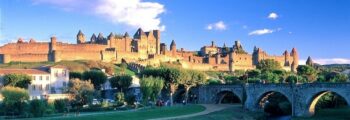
<point x="144" y="48"/>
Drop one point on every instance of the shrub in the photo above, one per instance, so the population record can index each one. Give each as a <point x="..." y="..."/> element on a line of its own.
<point x="37" y="107"/>
<point x="214" y="82"/>
<point x="60" y="105"/>
<point x="119" y="97"/>
<point x="130" y="99"/>
<point x="50" y="108"/>
<point x="14" y="100"/>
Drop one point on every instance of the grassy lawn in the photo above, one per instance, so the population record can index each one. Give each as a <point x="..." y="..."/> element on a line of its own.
<point x="142" y="114"/>
<point x="232" y="113"/>
<point x="329" y="114"/>
<point x="117" y="70"/>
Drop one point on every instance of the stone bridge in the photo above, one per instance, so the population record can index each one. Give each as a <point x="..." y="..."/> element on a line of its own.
<point x="303" y="97"/>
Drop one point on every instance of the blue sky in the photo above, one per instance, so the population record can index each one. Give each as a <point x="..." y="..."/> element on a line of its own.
<point x="317" y="28"/>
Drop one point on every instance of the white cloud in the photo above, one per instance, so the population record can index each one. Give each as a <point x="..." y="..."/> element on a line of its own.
<point x="332" y="61"/>
<point x="272" y="16"/>
<point x="133" y="13"/>
<point x="325" y="61"/>
<point x="261" y="32"/>
<point x="217" y="26"/>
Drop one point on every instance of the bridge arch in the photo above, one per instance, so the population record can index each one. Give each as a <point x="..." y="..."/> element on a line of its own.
<point x="225" y="96"/>
<point x="313" y="100"/>
<point x="274" y="102"/>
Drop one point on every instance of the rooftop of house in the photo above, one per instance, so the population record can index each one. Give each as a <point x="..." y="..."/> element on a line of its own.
<point x="22" y="71"/>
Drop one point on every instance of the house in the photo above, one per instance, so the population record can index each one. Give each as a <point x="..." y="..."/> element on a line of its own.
<point x="48" y="82"/>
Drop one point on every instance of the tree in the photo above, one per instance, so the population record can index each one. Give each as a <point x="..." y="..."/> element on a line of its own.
<point x="193" y="78"/>
<point x="333" y="77"/>
<point x="17" y="80"/>
<point x="97" y="78"/>
<point x="73" y="75"/>
<point x="254" y="73"/>
<point x="171" y="74"/>
<point x="14" y="99"/>
<point x="151" y="87"/>
<point x="271" y="77"/>
<point x="307" y="71"/>
<point x="269" y="65"/>
<point x="81" y="91"/>
<point x="292" y="79"/>
<point x="232" y="80"/>
<point x="121" y="82"/>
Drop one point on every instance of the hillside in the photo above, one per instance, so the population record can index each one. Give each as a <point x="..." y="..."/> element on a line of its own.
<point x="76" y="66"/>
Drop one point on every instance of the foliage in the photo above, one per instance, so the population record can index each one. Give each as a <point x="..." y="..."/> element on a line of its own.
<point x="82" y="92"/>
<point x="214" y="82"/>
<point x="232" y="80"/>
<point x="60" y="105"/>
<point x="17" y="80"/>
<point x="122" y="82"/>
<point x="254" y="73"/>
<point x="335" y="77"/>
<point x="130" y="99"/>
<point x="37" y="107"/>
<point x="151" y="87"/>
<point x="97" y="78"/>
<point x="330" y="100"/>
<point x="271" y="77"/>
<point x="73" y="75"/>
<point x="119" y="97"/>
<point x="171" y="74"/>
<point x="292" y="79"/>
<point x="308" y="72"/>
<point x="14" y="99"/>
<point x="269" y="65"/>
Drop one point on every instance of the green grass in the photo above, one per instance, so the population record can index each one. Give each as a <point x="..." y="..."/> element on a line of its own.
<point x="232" y="113"/>
<point x="25" y="64"/>
<point x="118" y="70"/>
<point x="142" y="114"/>
<point x="329" y="114"/>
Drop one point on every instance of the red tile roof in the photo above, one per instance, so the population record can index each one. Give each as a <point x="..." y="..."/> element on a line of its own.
<point x="22" y="71"/>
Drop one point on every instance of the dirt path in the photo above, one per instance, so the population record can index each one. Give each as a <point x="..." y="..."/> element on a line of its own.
<point x="209" y="108"/>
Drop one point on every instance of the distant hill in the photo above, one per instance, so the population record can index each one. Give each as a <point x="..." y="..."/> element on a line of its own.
<point x="337" y="67"/>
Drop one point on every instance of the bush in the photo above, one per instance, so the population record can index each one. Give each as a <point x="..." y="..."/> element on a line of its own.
<point x="119" y="97"/>
<point x="37" y="107"/>
<point x="14" y="100"/>
<point x="60" y="105"/>
<point x="50" y="108"/>
<point x="130" y="99"/>
<point x="214" y="82"/>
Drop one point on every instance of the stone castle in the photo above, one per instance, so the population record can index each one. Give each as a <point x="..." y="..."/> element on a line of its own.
<point x="144" y="48"/>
